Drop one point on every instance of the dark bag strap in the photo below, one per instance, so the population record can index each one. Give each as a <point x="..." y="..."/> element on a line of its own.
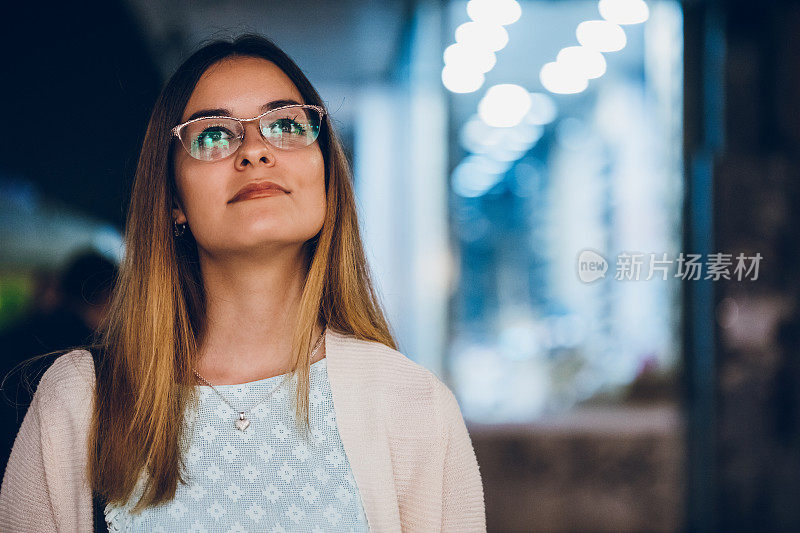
<point x="98" y="502"/>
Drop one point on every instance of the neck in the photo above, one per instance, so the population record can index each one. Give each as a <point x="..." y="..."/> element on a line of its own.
<point x="251" y="310"/>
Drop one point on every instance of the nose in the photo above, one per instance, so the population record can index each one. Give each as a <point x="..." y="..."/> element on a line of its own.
<point x="254" y="149"/>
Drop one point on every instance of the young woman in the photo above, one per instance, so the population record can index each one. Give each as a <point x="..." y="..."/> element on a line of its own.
<point x="245" y="378"/>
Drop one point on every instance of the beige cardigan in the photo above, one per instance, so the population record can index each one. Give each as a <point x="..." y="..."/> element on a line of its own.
<point x="401" y="428"/>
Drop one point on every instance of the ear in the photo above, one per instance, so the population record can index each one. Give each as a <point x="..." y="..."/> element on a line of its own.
<point x="177" y="213"/>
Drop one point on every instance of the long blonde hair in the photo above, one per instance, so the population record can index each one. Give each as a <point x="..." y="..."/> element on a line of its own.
<point x="149" y="339"/>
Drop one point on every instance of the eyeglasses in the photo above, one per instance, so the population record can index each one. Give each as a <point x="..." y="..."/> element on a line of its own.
<point x="287" y="127"/>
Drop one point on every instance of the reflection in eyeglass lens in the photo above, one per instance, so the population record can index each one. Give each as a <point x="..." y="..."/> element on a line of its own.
<point x="292" y="127"/>
<point x="213" y="138"/>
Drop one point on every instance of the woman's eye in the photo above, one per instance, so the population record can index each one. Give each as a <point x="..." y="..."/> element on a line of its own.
<point x="286" y="125"/>
<point x="213" y="136"/>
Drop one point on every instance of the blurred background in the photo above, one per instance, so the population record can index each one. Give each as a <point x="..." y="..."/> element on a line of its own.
<point x="534" y="179"/>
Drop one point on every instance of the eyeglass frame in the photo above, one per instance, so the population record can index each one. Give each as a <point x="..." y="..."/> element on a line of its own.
<point x="176" y="130"/>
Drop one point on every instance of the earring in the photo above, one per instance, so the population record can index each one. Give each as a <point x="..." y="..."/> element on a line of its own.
<point x="178" y="229"/>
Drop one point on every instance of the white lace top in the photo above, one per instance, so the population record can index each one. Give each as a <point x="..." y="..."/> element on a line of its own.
<point x="265" y="478"/>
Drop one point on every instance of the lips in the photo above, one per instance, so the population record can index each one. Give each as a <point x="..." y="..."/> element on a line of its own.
<point x="257" y="188"/>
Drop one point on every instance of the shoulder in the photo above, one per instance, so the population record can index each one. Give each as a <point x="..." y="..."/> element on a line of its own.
<point x="404" y="386"/>
<point x="68" y="381"/>
<point x="377" y="364"/>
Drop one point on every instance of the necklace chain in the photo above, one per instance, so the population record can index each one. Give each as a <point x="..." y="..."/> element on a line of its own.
<point x="242" y="422"/>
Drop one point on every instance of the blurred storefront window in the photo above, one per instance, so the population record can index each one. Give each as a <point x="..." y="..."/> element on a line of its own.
<point x="597" y="170"/>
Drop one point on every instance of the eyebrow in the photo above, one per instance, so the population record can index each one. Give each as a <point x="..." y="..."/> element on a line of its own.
<point x="226" y="112"/>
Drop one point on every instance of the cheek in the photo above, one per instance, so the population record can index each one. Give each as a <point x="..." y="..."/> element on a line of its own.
<point x="311" y="178"/>
<point x="318" y="184"/>
<point x="179" y="164"/>
<point x="316" y="171"/>
<point x="200" y="189"/>
<point x="318" y="176"/>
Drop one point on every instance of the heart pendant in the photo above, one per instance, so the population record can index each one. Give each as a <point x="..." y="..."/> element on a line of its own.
<point x="242" y="423"/>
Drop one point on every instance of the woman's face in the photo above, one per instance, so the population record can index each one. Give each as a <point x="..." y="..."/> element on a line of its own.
<point x="242" y="86"/>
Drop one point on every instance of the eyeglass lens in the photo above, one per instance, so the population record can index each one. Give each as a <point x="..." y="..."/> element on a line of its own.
<point x="289" y="128"/>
